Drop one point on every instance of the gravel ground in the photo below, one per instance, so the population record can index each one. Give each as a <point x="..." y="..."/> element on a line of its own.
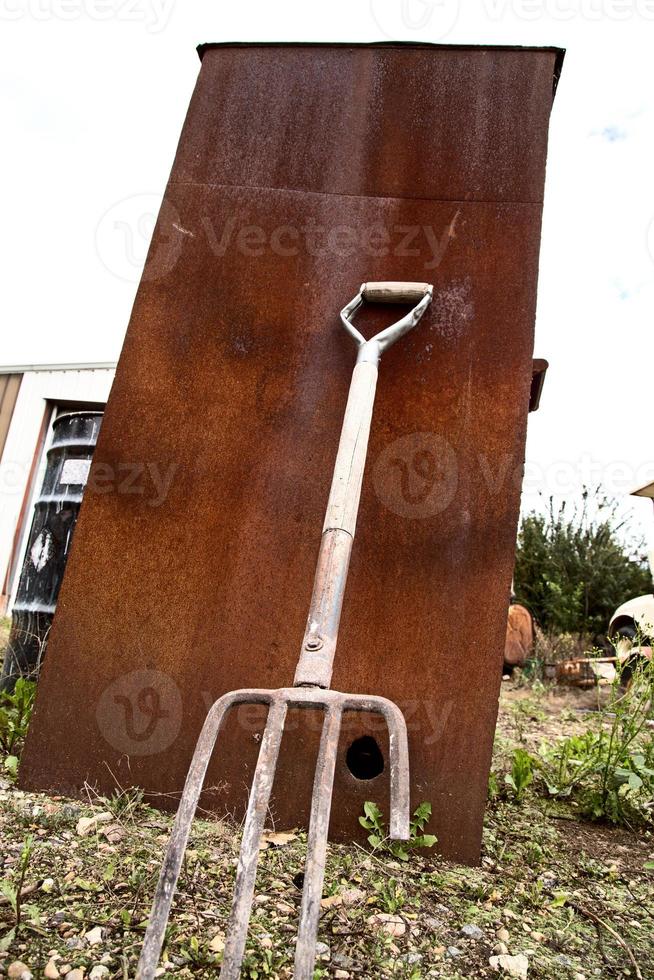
<point x="554" y="897"/>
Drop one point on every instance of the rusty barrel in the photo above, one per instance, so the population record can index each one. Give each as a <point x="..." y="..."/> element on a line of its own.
<point x="55" y="515"/>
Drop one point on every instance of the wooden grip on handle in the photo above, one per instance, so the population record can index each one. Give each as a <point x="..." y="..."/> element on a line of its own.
<point x="394" y="292"/>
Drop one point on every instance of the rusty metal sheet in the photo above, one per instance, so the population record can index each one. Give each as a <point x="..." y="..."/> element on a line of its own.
<point x="192" y="567"/>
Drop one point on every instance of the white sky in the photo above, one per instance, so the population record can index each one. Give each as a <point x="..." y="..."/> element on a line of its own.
<point x="93" y="94"/>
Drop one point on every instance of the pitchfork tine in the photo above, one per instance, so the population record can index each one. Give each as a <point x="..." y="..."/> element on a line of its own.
<point x="398" y="757"/>
<point x="314" y="869"/>
<point x="163" y="898"/>
<point x="246" y="873"/>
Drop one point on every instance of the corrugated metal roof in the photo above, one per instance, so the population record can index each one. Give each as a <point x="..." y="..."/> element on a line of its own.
<point x="26" y="368"/>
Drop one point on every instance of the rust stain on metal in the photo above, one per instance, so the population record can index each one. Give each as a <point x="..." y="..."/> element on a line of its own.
<point x="301" y="172"/>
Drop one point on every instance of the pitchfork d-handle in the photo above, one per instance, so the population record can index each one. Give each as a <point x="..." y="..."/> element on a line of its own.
<point x="319" y="644"/>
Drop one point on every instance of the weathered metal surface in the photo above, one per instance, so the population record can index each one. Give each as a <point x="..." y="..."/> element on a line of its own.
<point x="392" y="162"/>
<point x="55" y="516"/>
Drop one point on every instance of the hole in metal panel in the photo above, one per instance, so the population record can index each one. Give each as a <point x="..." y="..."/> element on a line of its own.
<point x="364" y="758"/>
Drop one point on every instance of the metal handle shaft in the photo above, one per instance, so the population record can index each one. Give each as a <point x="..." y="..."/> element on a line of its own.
<point x="321" y="634"/>
<point x="319" y="644"/>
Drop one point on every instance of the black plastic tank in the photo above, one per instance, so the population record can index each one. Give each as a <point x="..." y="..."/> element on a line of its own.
<point x="55" y="516"/>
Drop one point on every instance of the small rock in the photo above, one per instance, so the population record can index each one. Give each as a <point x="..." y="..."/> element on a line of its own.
<point x="113" y="833"/>
<point x="342" y="974"/>
<point x="322" y="950"/>
<point x="76" y="974"/>
<point x="19" y="971"/>
<point x="433" y="923"/>
<point x="391" y="924"/>
<point x="217" y="944"/>
<point x="452" y="952"/>
<point x="352" y="896"/>
<point x="69" y="812"/>
<point x="98" y="972"/>
<point x="410" y="958"/>
<point x="503" y="935"/>
<point x="471" y="932"/>
<point x="342" y="961"/>
<point x="94" y="936"/>
<point x="331" y="901"/>
<point x="515" y="966"/>
<point x="74" y="942"/>
<point x="538" y="937"/>
<point x="500" y="949"/>
<point x="51" y="971"/>
<point x="86" y="825"/>
<point x="47" y="885"/>
<point x="563" y="960"/>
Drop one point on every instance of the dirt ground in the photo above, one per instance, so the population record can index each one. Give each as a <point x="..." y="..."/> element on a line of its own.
<point x="555" y="896"/>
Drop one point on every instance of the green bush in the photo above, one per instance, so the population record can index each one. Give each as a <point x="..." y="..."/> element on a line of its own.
<point x="572" y="570"/>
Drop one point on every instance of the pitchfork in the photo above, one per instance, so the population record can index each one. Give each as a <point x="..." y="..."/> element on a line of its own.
<point x="310" y="686"/>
